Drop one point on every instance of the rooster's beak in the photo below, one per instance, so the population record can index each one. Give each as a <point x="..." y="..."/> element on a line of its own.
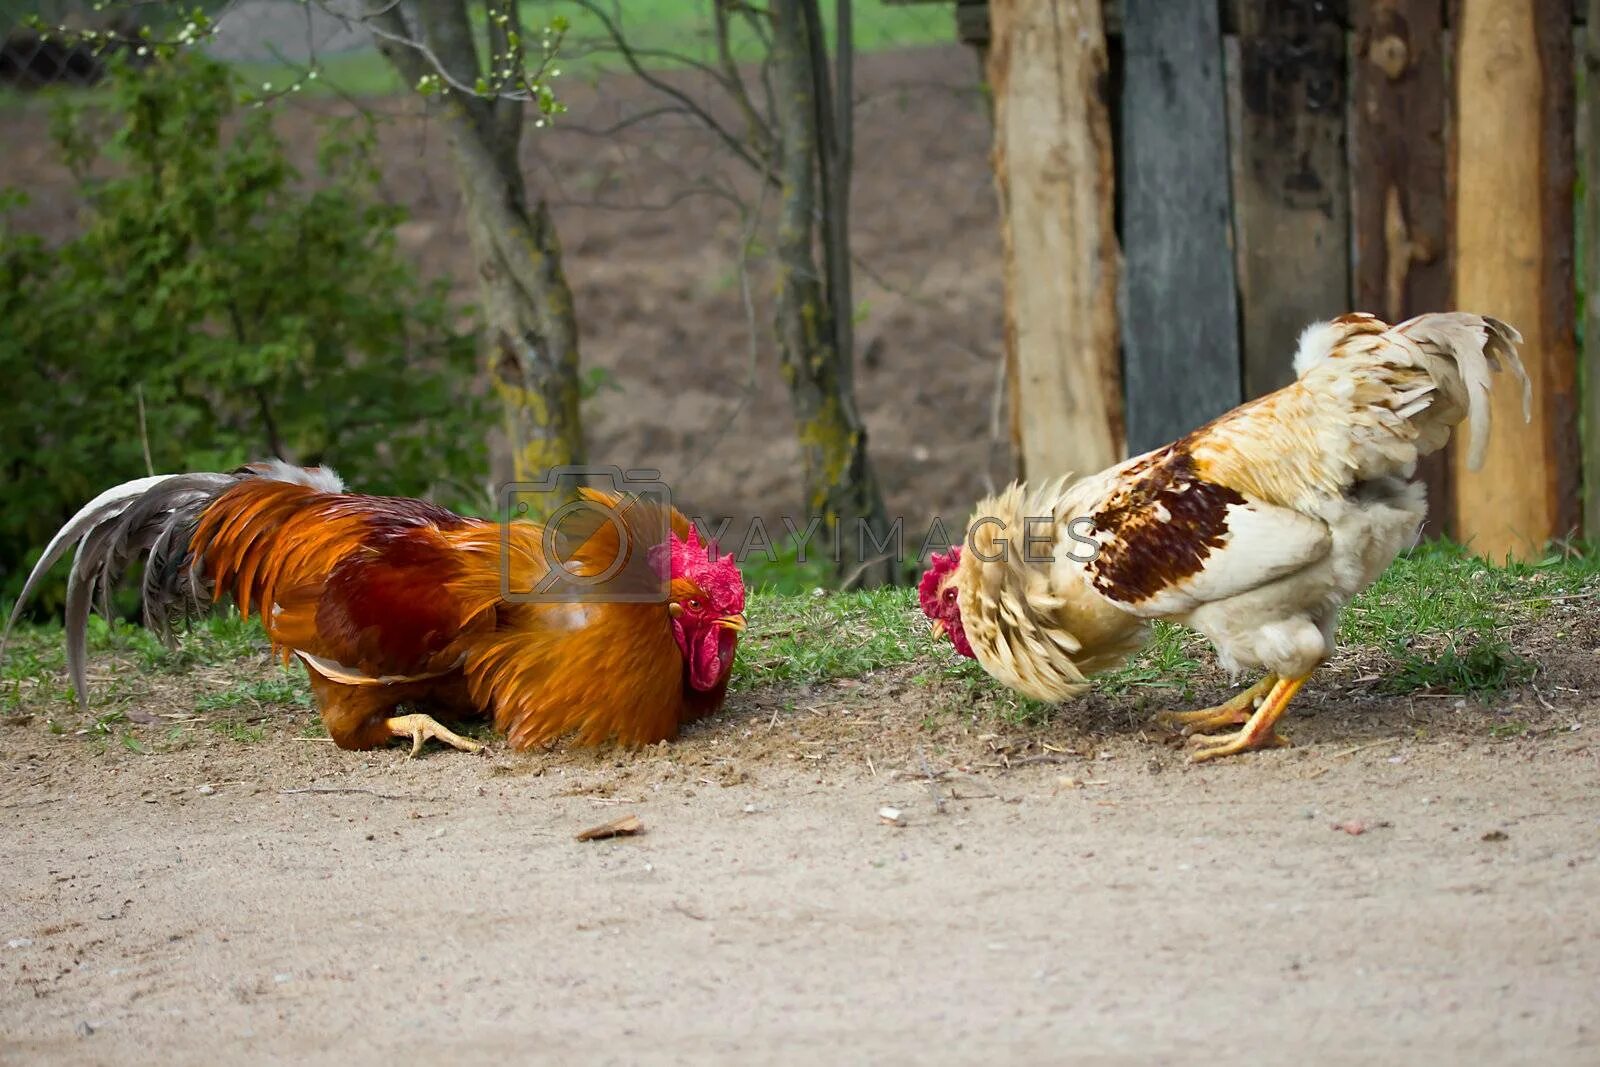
<point x="732" y="622"/>
<point x="938" y="629"/>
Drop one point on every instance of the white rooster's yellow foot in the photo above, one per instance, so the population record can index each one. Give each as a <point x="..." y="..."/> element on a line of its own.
<point x="1234" y="711"/>
<point x="1259" y="732"/>
<point x="421" y="728"/>
<point x="1213" y="746"/>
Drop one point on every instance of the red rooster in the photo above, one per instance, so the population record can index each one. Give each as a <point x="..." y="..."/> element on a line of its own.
<point x="390" y="601"/>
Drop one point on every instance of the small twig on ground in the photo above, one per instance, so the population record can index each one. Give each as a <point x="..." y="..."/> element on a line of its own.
<point x="349" y="789"/>
<point x="932" y="782"/>
<point x="1363" y="748"/>
<point x="681" y="910"/>
<point x="1555" y="599"/>
<point x="1026" y="760"/>
<point x="1542" y="701"/>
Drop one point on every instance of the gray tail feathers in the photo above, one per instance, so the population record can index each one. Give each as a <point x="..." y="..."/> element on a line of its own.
<point x="152" y="518"/>
<point x="147" y="516"/>
<point x="1465" y="349"/>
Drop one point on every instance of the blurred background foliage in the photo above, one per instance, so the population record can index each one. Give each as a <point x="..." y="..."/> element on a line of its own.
<point x="215" y="307"/>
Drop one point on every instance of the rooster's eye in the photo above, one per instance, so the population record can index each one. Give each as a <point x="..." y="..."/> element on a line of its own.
<point x="949" y="594"/>
<point x="694" y="604"/>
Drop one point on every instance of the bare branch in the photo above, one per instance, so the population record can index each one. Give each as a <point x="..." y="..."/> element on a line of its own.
<point x="747" y="240"/>
<point x="632" y="57"/>
<point x="632" y="120"/>
<point x="757" y="130"/>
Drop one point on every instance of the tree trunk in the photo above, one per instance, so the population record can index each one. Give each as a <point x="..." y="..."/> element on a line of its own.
<point x="532" y="324"/>
<point x="532" y="330"/>
<point x="840" y="485"/>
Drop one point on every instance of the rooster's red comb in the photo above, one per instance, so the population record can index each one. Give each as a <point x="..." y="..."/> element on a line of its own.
<point x="939" y="565"/>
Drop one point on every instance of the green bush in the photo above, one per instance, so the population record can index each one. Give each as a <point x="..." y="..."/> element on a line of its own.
<point x="248" y="313"/>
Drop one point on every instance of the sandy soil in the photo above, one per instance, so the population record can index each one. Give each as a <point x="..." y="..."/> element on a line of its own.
<point x="1073" y="891"/>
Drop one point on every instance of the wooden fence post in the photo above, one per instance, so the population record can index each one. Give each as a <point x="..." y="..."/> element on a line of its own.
<point x="1401" y="265"/>
<point x="1181" y="327"/>
<point x="1053" y="171"/>
<point x="1512" y="157"/>
<point x="1291" y="207"/>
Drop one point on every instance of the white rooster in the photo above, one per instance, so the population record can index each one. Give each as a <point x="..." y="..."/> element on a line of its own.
<point x="1255" y="529"/>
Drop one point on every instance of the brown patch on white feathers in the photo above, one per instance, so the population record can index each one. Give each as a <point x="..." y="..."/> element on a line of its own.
<point x="1159" y="528"/>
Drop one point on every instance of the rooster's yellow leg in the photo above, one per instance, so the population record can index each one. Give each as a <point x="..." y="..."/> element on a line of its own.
<point x="1258" y="732"/>
<point x="1231" y="712"/>
<point x="422" y="727"/>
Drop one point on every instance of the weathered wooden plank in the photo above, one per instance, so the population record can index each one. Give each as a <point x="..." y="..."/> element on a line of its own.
<point x="1053" y="171"/>
<point x="1181" y="345"/>
<point x="1591" y="273"/>
<point x="1291" y="211"/>
<point x="1399" y="171"/>
<point x="1512" y="155"/>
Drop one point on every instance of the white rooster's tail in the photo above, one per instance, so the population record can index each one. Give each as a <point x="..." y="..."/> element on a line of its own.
<point x="1460" y="351"/>
<point x="1431" y="371"/>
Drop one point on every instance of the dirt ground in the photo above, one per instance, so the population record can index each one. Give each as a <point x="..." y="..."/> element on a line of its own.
<point x="1409" y="884"/>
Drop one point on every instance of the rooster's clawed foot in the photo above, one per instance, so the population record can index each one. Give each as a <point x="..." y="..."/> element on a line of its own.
<point x="422" y="727"/>
<point x="1259" y="732"/>
<point x="1234" y="711"/>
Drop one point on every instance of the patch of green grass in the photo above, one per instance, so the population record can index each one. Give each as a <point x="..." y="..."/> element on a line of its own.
<point x="1441" y="588"/>
<point x="283" y="689"/>
<point x="1510" y="729"/>
<point x="1442" y="615"/>
<point x="107" y="723"/>
<point x="238" y="731"/>
<point x="1169" y="661"/>
<point x="810" y="638"/>
<point x="1482" y="665"/>
<point x="783" y="573"/>
<point x="223" y="638"/>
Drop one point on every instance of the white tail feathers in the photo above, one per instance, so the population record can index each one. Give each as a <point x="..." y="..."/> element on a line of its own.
<point x="1473" y="346"/>
<point x="1457" y="353"/>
